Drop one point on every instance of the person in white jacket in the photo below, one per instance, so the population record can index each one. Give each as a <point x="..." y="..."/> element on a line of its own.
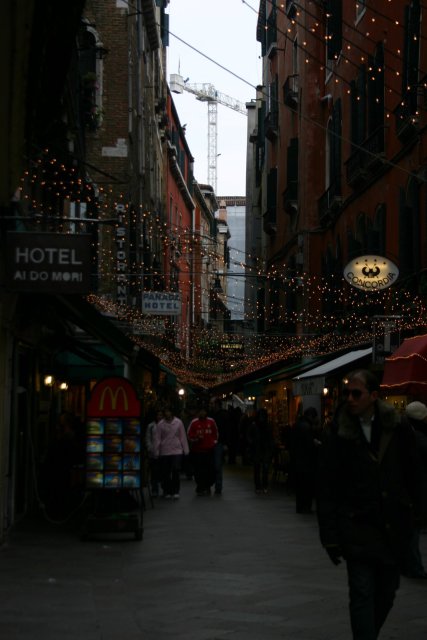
<point x="153" y="462"/>
<point x="170" y="445"/>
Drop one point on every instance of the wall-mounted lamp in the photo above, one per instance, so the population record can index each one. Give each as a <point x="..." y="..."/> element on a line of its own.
<point x="325" y="391"/>
<point x="63" y="386"/>
<point x="181" y="393"/>
<point x="48" y="381"/>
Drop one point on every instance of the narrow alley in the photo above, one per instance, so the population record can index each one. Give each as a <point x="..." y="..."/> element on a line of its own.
<point x="239" y="566"/>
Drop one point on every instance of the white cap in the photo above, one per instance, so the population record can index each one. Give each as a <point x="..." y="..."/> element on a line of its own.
<point x="416" y="410"/>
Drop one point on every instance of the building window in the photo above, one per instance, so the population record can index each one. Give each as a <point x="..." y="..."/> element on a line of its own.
<point x="358" y="107"/>
<point x="376" y="90"/>
<point x="333" y="28"/>
<point x="379" y="229"/>
<point x="367" y="98"/>
<point x="270" y="213"/>
<point x="410" y="75"/>
<point x="333" y="149"/>
<point x="91" y="63"/>
<point x="360" y="9"/>
<point x="409" y="226"/>
<point x="272" y="29"/>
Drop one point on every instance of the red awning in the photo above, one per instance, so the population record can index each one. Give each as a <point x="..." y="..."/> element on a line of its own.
<point x="405" y="372"/>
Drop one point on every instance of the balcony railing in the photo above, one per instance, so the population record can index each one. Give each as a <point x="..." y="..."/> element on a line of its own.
<point x="290" y="197"/>
<point x="291" y="8"/>
<point x="406" y="122"/>
<point x="290" y="91"/>
<point x="374" y="147"/>
<point x="272" y="124"/>
<point x="329" y="203"/>
<point x="366" y="159"/>
<point x="270" y="223"/>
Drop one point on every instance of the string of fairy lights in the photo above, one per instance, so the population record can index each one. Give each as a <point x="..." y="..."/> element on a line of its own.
<point x="335" y="316"/>
<point x="330" y="290"/>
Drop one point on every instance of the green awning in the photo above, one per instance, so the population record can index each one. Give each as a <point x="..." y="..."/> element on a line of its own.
<point x="170" y="376"/>
<point x="85" y="315"/>
<point x="88" y="363"/>
<point x="275" y="371"/>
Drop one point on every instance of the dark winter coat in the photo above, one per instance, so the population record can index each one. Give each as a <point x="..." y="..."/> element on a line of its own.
<point x="366" y="493"/>
<point x="260" y="440"/>
<point x="420" y="429"/>
<point x="304" y="450"/>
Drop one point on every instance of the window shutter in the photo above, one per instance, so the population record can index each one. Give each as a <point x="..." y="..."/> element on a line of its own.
<point x="292" y="161"/>
<point x="361" y="109"/>
<point x="272" y="190"/>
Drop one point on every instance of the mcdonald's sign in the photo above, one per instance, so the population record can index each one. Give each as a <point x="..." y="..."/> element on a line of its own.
<point x="113" y="397"/>
<point x="110" y="398"/>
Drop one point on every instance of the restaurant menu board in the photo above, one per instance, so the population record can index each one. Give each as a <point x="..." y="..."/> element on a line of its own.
<point x="113" y="453"/>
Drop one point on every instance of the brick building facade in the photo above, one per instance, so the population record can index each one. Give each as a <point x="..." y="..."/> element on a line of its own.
<point x="341" y="141"/>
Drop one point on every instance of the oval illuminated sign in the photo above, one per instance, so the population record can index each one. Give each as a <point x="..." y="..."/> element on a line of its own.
<point x="371" y="273"/>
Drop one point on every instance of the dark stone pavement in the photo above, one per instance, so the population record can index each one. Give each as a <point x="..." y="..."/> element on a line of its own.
<point x="232" y="567"/>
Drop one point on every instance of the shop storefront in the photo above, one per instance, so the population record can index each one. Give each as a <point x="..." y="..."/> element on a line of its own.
<point x="320" y="387"/>
<point x="60" y="346"/>
<point x="405" y="373"/>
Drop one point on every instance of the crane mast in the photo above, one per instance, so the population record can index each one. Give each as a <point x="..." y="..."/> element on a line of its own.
<point x="206" y="92"/>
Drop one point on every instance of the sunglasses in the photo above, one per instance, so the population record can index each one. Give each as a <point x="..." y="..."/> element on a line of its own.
<point x="356" y="393"/>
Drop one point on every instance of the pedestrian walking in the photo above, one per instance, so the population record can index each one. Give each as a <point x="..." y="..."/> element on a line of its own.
<point x="170" y="445"/>
<point x="153" y="461"/>
<point x="416" y="413"/>
<point x="234" y="417"/>
<point x="304" y="452"/>
<point x="222" y="420"/>
<point x="365" y="500"/>
<point x="203" y="436"/>
<point x="261" y="448"/>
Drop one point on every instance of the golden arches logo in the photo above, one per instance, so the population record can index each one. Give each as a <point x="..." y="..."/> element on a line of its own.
<point x="114" y="398"/>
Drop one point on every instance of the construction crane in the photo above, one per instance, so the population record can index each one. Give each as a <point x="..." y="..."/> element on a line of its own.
<point x="206" y="92"/>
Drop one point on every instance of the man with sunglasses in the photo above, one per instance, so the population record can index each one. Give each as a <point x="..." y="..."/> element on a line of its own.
<point x="367" y="488"/>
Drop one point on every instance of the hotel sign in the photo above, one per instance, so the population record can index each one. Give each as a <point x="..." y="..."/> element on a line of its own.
<point x="48" y="262"/>
<point x="161" y="303"/>
<point x="371" y="273"/>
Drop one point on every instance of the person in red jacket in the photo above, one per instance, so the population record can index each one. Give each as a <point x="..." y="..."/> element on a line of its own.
<point x="202" y="436"/>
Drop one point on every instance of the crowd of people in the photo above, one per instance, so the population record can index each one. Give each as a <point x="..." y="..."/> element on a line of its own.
<point x="198" y="444"/>
<point x="194" y="445"/>
<point x="364" y="472"/>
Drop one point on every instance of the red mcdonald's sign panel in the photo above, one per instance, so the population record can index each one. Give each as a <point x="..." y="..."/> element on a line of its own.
<point x="113" y="397"/>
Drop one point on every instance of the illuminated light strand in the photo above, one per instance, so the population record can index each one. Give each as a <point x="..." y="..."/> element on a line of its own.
<point x="401" y="384"/>
<point x="263" y="350"/>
